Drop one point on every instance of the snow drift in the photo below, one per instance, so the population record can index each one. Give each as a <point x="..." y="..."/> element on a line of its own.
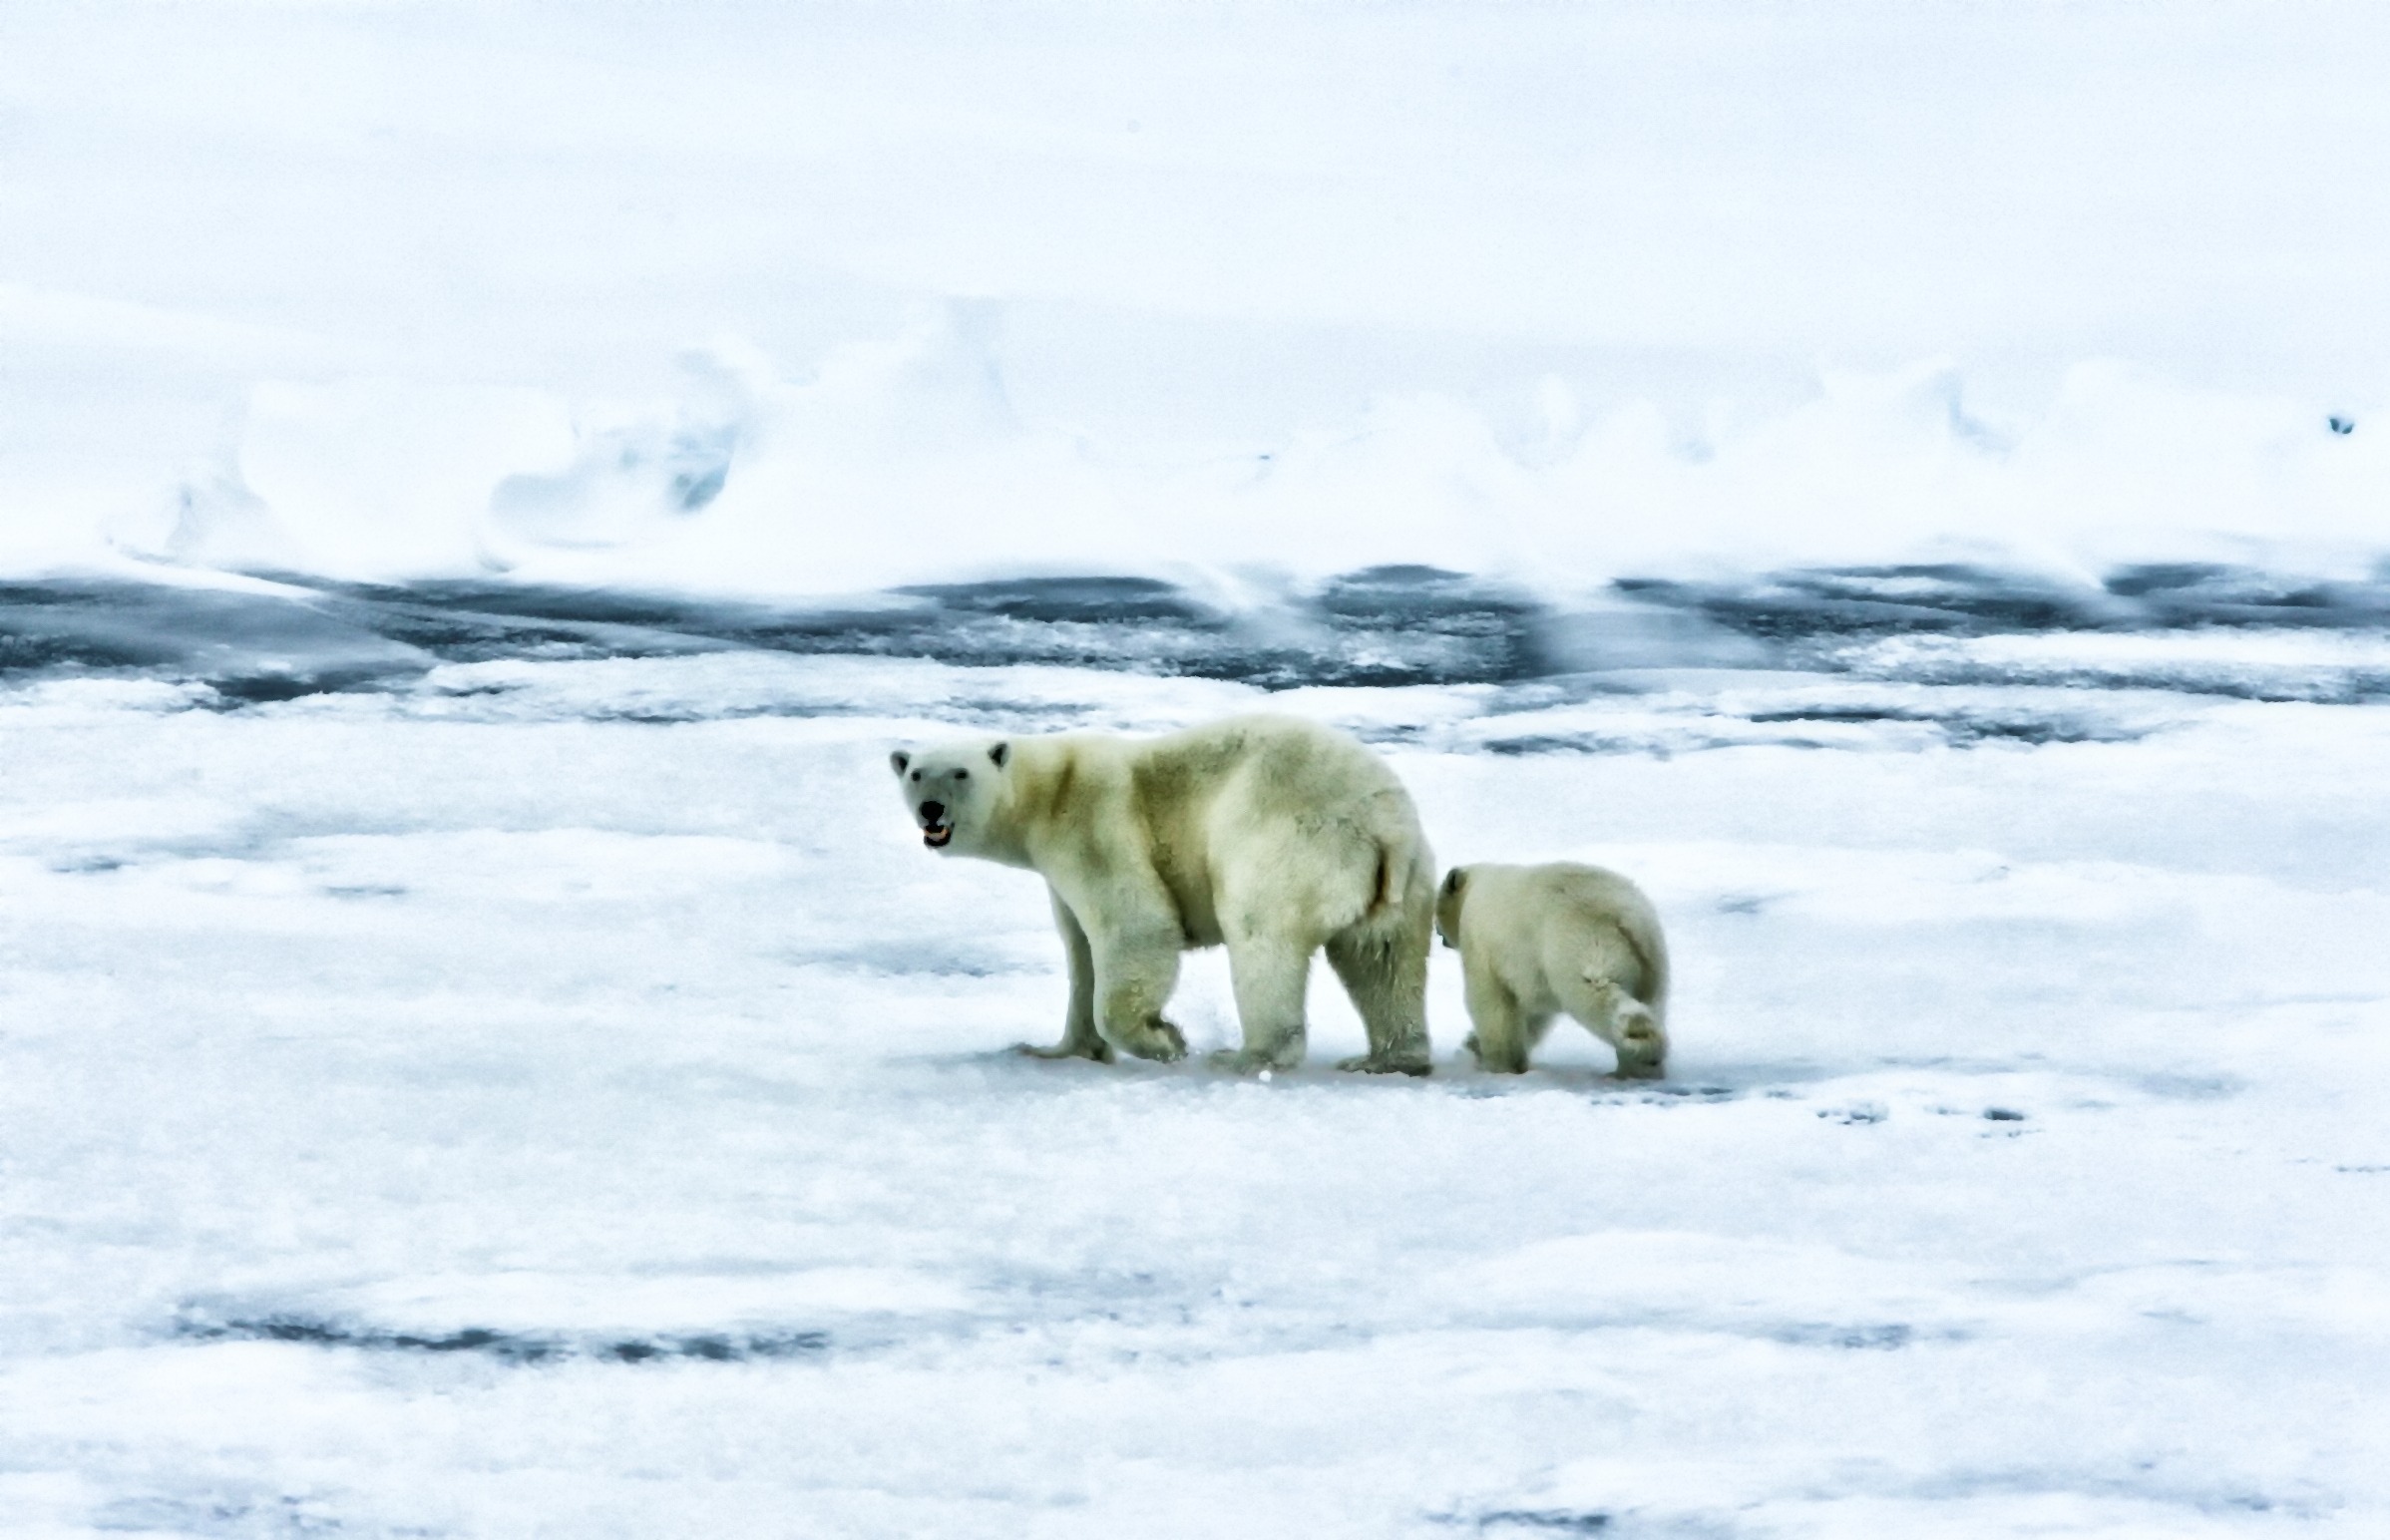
<point x="904" y="460"/>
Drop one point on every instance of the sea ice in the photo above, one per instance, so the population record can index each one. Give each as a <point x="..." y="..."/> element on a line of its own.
<point x="562" y="1098"/>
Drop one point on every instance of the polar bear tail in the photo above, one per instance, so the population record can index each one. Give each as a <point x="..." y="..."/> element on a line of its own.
<point x="1396" y="889"/>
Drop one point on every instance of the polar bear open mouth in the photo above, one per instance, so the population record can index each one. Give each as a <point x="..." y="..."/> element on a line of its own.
<point x="936" y="835"/>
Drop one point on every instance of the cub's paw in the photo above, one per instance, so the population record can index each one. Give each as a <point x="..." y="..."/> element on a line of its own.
<point x="1388" y="1065"/>
<point x="1492" y="1061"/>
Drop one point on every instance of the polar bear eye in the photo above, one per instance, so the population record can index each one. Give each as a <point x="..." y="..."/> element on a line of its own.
<point x="917" y="775"/>
<point x="962" y="775"/>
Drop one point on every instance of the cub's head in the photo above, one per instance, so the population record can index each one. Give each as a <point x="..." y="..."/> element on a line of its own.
<point x="950" y="789"/>
<point x="1449" y="900"/>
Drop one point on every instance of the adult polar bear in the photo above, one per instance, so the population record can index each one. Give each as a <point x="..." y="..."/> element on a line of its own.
<point x="1272" y="835"/>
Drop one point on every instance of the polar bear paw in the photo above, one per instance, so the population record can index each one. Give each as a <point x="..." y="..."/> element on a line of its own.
<point x="1247" y="1061"/>
<point x="1388" y="1063"/>
<point x="1098" y="1051"/>
<point x="1158" y="1040"/>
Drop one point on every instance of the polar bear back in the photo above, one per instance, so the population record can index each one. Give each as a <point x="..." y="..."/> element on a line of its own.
<point x="1247" y="821"/>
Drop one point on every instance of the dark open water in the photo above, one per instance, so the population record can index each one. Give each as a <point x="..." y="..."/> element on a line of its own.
<point x="1381" y="627"/>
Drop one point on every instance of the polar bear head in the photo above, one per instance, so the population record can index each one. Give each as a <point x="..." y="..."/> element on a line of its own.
<point x="1449" y="900"/>
<point x="951" y="790"/>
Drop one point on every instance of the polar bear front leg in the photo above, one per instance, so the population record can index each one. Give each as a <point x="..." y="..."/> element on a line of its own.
<point x="1080" y="1040"/>
<point x="1134" y="974"/>
<point x="1270" y="974"/>
<point x="1500" y="1038"/>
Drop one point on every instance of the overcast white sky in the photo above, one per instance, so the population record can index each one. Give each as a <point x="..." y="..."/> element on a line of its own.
<point x="1207" y="225"/>
<point x="2189" y="180"/>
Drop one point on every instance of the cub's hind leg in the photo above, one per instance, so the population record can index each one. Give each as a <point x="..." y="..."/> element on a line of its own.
<point x="1626" y="1024"/>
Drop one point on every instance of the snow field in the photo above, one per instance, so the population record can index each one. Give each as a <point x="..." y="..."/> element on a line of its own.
<point x="2020" y="1171"/>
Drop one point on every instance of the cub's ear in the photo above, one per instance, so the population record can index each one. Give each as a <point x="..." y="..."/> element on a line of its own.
<point x="900" y="761"/>
<point x="999" y="753"/>
<point x="1456" y="879"/>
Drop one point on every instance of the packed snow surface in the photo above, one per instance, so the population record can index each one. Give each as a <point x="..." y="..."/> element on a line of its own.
<point x="548" y="1097"/>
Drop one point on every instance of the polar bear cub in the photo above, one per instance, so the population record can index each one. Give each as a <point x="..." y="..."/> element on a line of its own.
<point x="1268" y="833"/>
<point x="1538" y="941"/>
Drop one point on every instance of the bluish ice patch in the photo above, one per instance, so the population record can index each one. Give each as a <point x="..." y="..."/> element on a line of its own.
<point x="235" y="1515"/>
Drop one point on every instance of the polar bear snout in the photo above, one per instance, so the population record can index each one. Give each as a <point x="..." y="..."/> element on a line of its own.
<point x="936" y="827"/>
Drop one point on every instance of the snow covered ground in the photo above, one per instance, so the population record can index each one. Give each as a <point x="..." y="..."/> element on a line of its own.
<point x="561" y="1098"/>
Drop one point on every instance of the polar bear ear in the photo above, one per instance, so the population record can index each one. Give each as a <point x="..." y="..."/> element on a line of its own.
<point x="1456" y="879"/>
<point x="999" y="753"/>
<point x="900" y="761"/>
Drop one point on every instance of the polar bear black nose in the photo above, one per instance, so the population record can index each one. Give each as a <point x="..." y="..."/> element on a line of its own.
<point x="934" y="811"/>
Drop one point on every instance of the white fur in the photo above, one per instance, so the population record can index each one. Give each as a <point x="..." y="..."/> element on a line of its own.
<point x="1274" y="836"/>
<point x="1537" y="942"/>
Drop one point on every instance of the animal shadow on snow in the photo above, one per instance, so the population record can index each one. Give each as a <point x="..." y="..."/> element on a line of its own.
<point x="1455" y="1076"/>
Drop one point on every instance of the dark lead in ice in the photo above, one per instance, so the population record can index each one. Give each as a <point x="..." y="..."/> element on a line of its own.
<point x="514" y="1348"/>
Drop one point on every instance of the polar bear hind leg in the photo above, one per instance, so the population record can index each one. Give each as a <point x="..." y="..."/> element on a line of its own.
<point x="1382" y="959"/>
<point x="1384" y="969"/>
<point x="1625" y="1024"/>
